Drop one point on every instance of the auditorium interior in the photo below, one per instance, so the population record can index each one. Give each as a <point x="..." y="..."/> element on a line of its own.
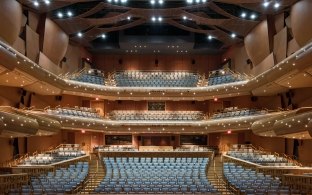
<point x="156" y="97"/>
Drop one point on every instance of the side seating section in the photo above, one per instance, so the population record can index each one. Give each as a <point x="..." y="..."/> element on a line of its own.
<point x="156" y="115"/>
<point x="218" y="77"/>
<point x="155" y="79"/>
<point x="114" y="148"/>
<point x="250" y="182"/>
<point x="135" y="175"/>
<point x="77" y="112"/>
<point x="63" y="180"/>
<point x="258" y="157"/>
<point x="54" y="156"/>
<point x="235" y="112"/>
<point x="90" y="76"/>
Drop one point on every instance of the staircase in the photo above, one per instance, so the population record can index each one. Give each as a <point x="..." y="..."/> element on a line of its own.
<point x="215" y="176"/>
<point x="96" y="175"/>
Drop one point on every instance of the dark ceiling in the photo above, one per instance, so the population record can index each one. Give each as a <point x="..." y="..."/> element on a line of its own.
<point x="203" y="27"/>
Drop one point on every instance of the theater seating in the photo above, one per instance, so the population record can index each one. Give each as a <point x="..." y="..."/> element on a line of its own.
<point x="63" y="180"/>
<point x="218" y="77"/>
<point x="117" y="148"/>
<point x="194" y="148"/>
<point x="155" y="175"/>
<point x="65" y="152"/>
<point x="156" y="115"/>
<point x="258" y="157"/>
<point x="250" y="182"/>
<point x="235" y="112"/>
<point x="77" y="112"/>
<point x="90" y="76"/>
<point x="155" y="79"/>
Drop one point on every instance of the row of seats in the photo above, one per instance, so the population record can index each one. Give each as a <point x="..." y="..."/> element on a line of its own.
<point x="222" y="77"/>
<point x="155" y="175"/>
<point x="258" y="157"/>
<point x="63" y="180"/>
<point x="237" y="113"/>
<point x="251" y="182"/>
<point x="60" y="154"/>
<point x="78" y="112"/>
<point x="155" y="79"/>
<point x="90" y="76"/>
<point x="117" y="148"/>
<point x="194" y="148"/>
<point x="156" y="115"/>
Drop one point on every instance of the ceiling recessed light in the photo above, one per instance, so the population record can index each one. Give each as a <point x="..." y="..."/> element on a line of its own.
<point x="189" y="1"/>
<point x="184" y="17"/>
<point x="197" y="1"/>
<point x="277" y="5"/>
<point x="153" y="19"/>
<point x="233" y="35"/>
<point x="69" y="14"/>
<point x="159" y="19"/>
<point x="152" y="2"/>
<point x="103" y="36"/>
<point x="79" y="34"/>
<point x="36" y="3"/>
<point x="109" y="1"/>
<point x="209" y="37"/>
<point x="160" y="1"/>
<point x="129" y="18"/>
<point x="253" y="16"/>
<point x="266" y="4"/>
<point x="47" y="2"/>
<point x="60" y="15"/>
<point x="243" y="15"/>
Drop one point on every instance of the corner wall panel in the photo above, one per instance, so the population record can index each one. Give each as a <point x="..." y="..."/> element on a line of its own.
<point x="32" y="44"/>
<point x="11" y="17"/>
<point x="280" y="45"/>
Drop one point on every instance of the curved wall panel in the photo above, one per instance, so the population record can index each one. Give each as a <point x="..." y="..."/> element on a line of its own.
<point x="11" y="17"/>
<point x="301" y="21"/>
<point x="257" y="43"/>
<point x="55" y="42"/>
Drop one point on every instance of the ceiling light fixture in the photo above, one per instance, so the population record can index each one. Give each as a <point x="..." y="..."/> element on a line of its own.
<point x="47" y="2"/>
<point x="209" y="37"/>
<point x="129" y="18"/>
<point x="184" y="17"/>
<point x="69" y="14"/>
<point x="266" y="4"/>
<point x="233" y="35"/>
<point x="159" y="19"/>
<point x="153" y="18"/>
<point x="160" y="2"/>
<point x="152" y="2"/>
<point x="243" y="15"/>
<point x="36" y="4"/>
<point x="60" y="15"/>
<point x="253" y="16"/>
<point x="103" y="36"/>
<point x="79" y="34"/>
<point x="277" y="5"/>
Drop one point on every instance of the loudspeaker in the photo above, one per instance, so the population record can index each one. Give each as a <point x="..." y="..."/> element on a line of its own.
<point x="64" y="59"/>
<point x="23" y="92"/>
<point x="119" y="101"/>
<point x="156" y="62"/>
<point x="139" y="138"/>
<point x="193" y="102"/>
<point x="248" y="61"/>
<point x="172" y="138"/>
<point x="120" y="61"/>
<point x="254" y="98"/>
<point x="193" y="61"/>
<point x="58" y="98"/>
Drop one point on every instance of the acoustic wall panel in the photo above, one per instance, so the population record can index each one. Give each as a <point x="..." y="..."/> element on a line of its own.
<point x="33" y="20"/>
<point x="258" y="40"/>
<point x="19" y="45"/>
<point x="11" y="17"/>
<point x="47" y="64"/>
<point x="280" y="45"/>
<point x="279" y="22"/>
<point x="32" y="44"/>
<point x="301" y="22"/>
<point x="292" y="47"/>
<point x="266" y="64"/>
<point x="55" y="42"/>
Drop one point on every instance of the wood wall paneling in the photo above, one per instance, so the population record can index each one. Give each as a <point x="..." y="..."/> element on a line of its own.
<point x="203" y="63"/>
<point x="32" y="44"/>
<point x="55" y="42"/>
<point x="267" y="63"/>
<point x="257" y="43"/>
<point x="238" y="56"/>
<point x="280" y="45"/>
<point x="33" y="20"/>
<point x="47" y="64"/>
<point x="19" y="45"/>
<point x="292" y="47"/>
<point x="11" y="17"/>
<point x="279" y="22"/>
<point x="301" y="22"/>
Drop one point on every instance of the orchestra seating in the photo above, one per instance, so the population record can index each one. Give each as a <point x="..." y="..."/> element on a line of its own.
<point x="156" y="115"/>
<point x="155" y="175"/>
<point x="235" y="112"/>
<point x="249" y="181"/>
<point x="155" y="79"/>
<point x="65" y="152"/>
<point x="114" y="148"/>
<point x="194" y="148"/>
<point x="258" y="157"/>
<point x="218" y="77"/>
<point x="77" y="112"/>
<point x="63" y="180"/>
<point x="91" y="76"/>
